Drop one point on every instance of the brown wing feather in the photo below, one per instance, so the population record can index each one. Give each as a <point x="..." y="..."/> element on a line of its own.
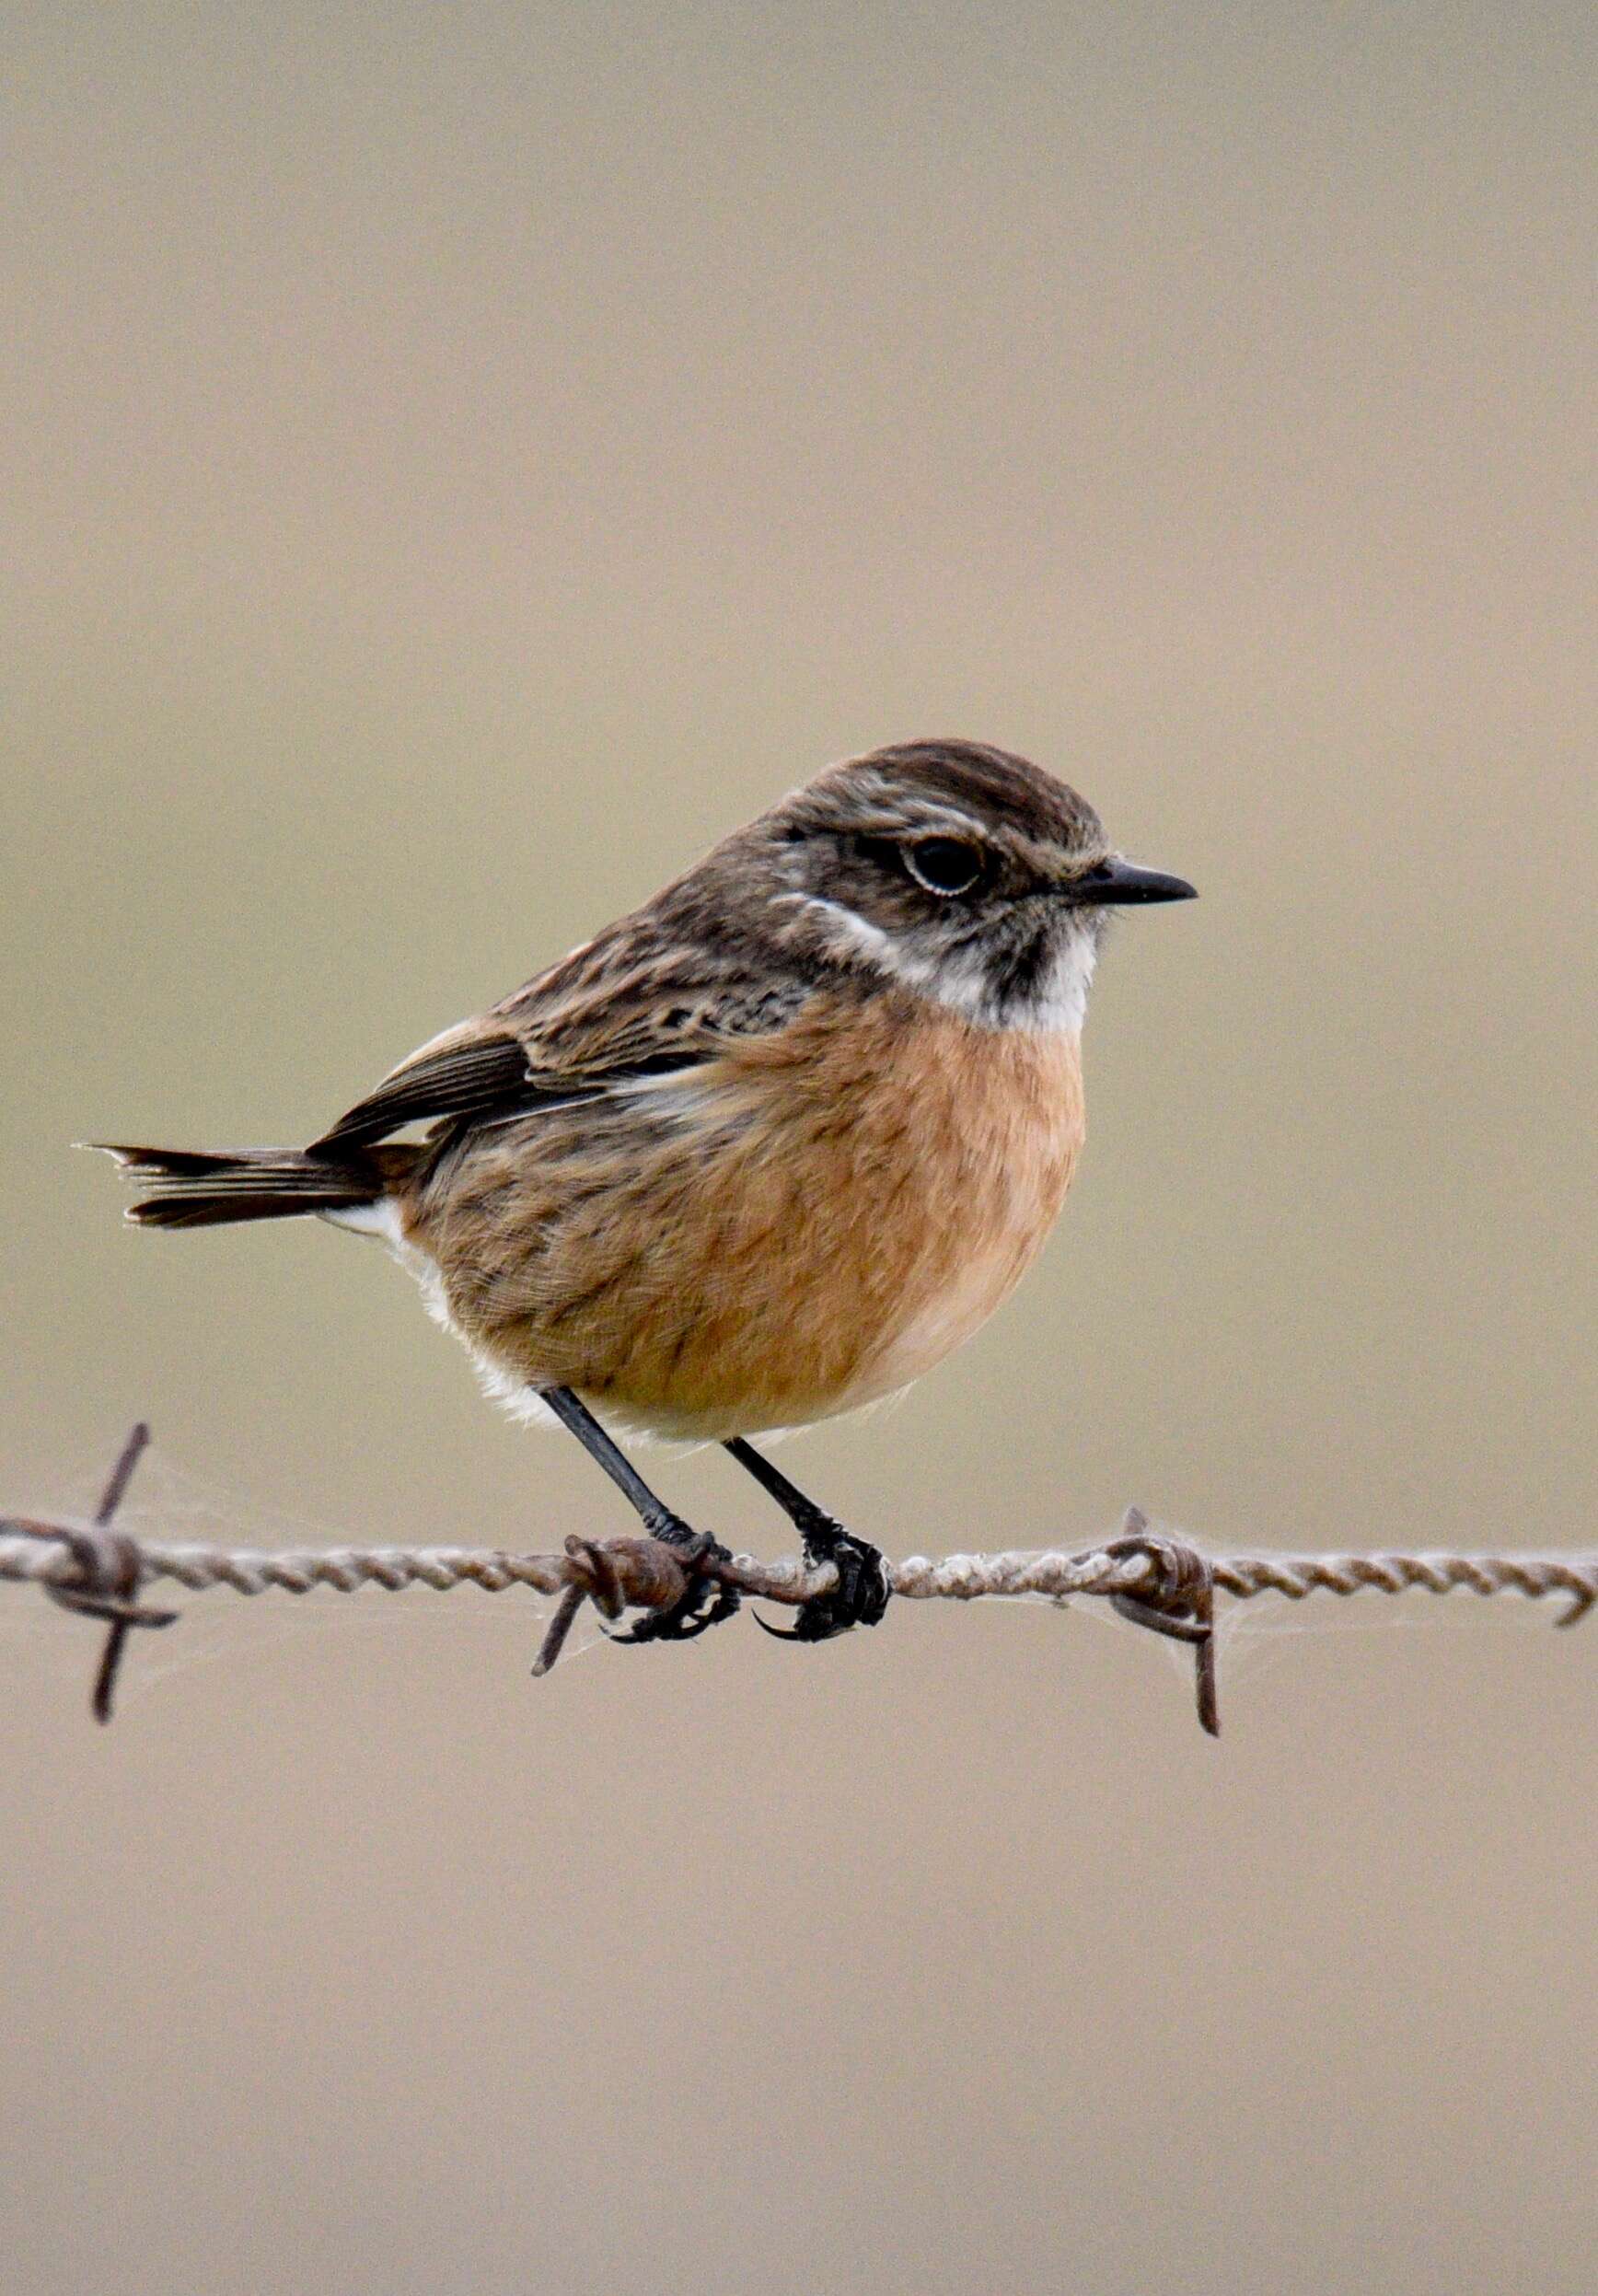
<point x="468" y="1079"/>
<point x="637" y="1002"/>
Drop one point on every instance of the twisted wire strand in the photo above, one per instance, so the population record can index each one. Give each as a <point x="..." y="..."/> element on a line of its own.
<point x="98" y="1571"/>
<point x="38" y="1553"/>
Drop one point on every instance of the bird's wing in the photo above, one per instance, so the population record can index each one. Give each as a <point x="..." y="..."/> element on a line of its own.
<point x="631" y="1004"/>
<point x="475" y="1074"/>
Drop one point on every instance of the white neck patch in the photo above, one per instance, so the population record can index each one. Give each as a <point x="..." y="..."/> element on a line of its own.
<point x="1062" y="999"/>
<point x="964" y="983"/>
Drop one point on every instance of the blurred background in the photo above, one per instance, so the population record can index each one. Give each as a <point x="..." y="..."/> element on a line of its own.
<point x="460" y="461"/>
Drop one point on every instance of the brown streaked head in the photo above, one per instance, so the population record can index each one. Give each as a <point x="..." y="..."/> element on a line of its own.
<point x="951" y="869"/>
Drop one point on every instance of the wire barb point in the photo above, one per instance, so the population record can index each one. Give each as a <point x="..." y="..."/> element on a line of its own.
<point x="1179" y="1603"/>
<point x="110" y="1566"/>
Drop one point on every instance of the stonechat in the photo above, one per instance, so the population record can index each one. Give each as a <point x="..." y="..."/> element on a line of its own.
<point x="762" y="1152"/>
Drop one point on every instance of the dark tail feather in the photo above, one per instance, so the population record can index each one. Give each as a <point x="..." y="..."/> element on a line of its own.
<point x="192" y="1189"/>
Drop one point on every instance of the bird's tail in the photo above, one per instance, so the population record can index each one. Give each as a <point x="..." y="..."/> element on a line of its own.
<point x="191" y="1188"/>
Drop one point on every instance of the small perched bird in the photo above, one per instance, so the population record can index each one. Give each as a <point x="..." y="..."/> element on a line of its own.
<point x="762" y="1152"/>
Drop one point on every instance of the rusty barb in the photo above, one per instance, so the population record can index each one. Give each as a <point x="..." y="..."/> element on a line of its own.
<point x="110" y="1570"/>
<point x="1178" y="1602"/>
<point x="1149" y="1578"/>
<point x="616" y="1574"/>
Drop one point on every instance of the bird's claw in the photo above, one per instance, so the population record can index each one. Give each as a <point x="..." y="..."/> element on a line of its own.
<point x="859" y="1597"/>
<point x="684" y="1622"/>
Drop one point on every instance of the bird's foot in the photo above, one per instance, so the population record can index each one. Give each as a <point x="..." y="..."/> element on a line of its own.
<point x="860" y="1596"/>
<point x="704" y="1601"/>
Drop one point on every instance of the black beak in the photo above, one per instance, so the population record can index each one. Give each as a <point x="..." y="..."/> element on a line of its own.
<point x="1120" y="883"/>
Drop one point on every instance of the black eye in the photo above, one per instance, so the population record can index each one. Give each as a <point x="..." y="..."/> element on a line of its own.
<point x="944" y="865"/>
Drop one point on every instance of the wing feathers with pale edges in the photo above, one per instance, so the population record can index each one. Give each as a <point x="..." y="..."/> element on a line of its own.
<point x="642" y="999"/>
<point x="477" y="1078"/>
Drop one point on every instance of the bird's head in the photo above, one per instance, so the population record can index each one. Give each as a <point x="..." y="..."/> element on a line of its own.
<point x="954" y="870"/>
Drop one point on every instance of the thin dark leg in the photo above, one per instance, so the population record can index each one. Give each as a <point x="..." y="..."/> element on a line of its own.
<point x="706" y="1602"/>
<point x="862" y="1594"/>
<point x="800" y="1510"/>
<point x="658" y="1519"/>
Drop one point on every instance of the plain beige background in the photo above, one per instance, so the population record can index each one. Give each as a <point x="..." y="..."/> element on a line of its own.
<point x="460" y="460"/>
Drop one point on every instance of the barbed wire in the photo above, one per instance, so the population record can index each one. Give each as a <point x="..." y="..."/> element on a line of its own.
<point x="1157" y="1581"/>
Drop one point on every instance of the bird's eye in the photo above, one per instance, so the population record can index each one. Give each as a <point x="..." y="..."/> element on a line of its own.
<point x="946" y="865"/>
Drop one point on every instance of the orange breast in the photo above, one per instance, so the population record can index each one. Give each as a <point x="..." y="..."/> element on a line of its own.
<point x="810" y="1222"/>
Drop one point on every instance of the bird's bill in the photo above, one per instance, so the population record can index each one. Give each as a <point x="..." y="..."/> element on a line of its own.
<point x="1120" y="884"/>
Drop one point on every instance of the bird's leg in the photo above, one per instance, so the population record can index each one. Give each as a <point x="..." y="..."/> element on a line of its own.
<point x="706" y="1601"/>
<point x="657" y="1517"/>
<point x="862" y="1593"/>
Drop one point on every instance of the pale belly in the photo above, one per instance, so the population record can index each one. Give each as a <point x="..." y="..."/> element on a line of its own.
<point x="774" y="1255"/>
<point x="936" y="1327"/>
<point x="709" y="1395"/>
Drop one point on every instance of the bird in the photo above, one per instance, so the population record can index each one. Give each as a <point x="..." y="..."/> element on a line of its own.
<point x="762" y="1152"/>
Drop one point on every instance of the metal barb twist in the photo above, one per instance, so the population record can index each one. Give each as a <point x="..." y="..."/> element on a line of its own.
<point x="1179" y="1603"/>
<point x="616" y="1574"/>
<point x="109" y="1569"/>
